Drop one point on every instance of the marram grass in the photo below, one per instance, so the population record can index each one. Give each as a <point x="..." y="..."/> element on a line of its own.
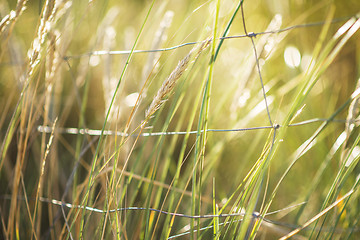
<point x="179" y="120"/>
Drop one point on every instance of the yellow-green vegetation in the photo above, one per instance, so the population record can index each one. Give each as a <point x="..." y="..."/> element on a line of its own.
<point x="164" y="119"/>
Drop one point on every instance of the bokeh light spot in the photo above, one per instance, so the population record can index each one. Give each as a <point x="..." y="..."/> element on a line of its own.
<point x="292" y="57"/>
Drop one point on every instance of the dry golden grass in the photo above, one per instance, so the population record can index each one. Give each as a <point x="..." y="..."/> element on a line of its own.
<point x="77" y="152"/>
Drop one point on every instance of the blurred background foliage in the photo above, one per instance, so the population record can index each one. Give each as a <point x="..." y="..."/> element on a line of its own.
<point x="77" y="88"/>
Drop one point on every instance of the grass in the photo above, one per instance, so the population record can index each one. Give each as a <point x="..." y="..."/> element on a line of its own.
<point x="212" y="136"/>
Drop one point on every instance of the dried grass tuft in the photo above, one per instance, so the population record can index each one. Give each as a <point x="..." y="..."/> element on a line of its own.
<point x="169" y="84"/>
<point x="9" y="20"/>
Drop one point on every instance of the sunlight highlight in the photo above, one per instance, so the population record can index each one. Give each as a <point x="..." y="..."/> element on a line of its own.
<point x="130" y="100"/>
<point x="292" y="57"/>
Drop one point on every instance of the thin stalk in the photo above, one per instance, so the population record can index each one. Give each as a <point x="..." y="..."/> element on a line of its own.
<point x="202" y="126"/>
<point x="94" y="162"/>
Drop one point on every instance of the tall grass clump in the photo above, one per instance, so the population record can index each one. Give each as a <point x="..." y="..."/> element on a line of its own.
<point x="179" y="119"/>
